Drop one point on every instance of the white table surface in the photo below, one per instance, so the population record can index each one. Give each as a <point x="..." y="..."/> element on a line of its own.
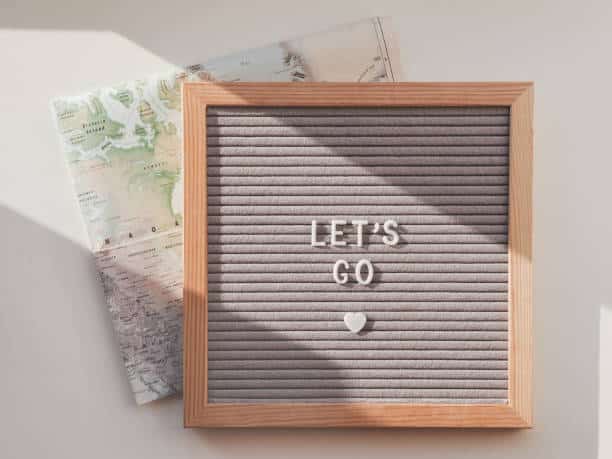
<point x="63" y="391"/>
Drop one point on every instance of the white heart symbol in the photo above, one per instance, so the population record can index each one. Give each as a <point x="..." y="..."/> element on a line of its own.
<point x="355" y="321"/>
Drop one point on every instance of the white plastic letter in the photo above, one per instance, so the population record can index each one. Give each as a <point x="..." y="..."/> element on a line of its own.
<point x="392" y="236"/>
<point x="336" y="232"/>
<point x="340" y="279"/>
<point x="313" y="236"/>
<point x="359" y="224"/>
<point x="358" y="272"/>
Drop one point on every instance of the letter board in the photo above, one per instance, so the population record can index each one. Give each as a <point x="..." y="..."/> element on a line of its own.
<point x="358" y="254"/>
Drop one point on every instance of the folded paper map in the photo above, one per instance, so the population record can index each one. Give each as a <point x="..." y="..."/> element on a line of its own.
<point x="123" y="148"/>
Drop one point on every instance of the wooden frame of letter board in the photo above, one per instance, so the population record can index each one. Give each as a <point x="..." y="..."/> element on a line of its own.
<point x="517" y="413"/>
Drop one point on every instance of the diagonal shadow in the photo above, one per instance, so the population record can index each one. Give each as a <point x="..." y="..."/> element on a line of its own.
<point x="52" y="308"/>
<point x="140" y="21"/>
<point x="42" y="297"/>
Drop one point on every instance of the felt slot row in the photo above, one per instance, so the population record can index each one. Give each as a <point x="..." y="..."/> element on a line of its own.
<point x="386" y="277"/>
<point x="428" y="238"/>
<point x="425" y="191"/>
<point x="353" y="399"/>
<point x="375" y="248"/>
<point x="370" y="345"/>
<point x="370" y="383"/>
<point x="357" y="295"/>
<point x="336" y="325"/>
<point x="348" y="162"/>
<point x="374" y="307"/>
<point x="350" y="112"/>
<point x="371" y="153"/>
<point x="415" y="259"/>
<point x="402" y="219"/>
<point x="354" y="354"/>
<point x="387" y="141"/>
<point x="223" y="230"/>
<point x="353" y="131"/>
<point x="345" y="393"/>
<point x="356" y="171"/>
<point x="373" y="364"/>
<point x="298" y="336"/>
<point x="477" y="178"/>
<point x="362" y="374"/>
<point x="472" y="286"/>
<point x="285" y="121"/>
<point x="344" y="201"/>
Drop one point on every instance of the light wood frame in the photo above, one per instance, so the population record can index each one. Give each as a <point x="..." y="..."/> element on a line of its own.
<point x="517" y="413"/>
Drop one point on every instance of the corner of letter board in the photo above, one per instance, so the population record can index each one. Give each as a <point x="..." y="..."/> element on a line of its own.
<point x="358" y="254"/>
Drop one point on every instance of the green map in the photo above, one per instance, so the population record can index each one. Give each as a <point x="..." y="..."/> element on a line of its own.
<point x="123" y="147"/>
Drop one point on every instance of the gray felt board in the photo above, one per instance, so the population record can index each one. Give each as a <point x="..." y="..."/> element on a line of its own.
<point x="437" y="311"/>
